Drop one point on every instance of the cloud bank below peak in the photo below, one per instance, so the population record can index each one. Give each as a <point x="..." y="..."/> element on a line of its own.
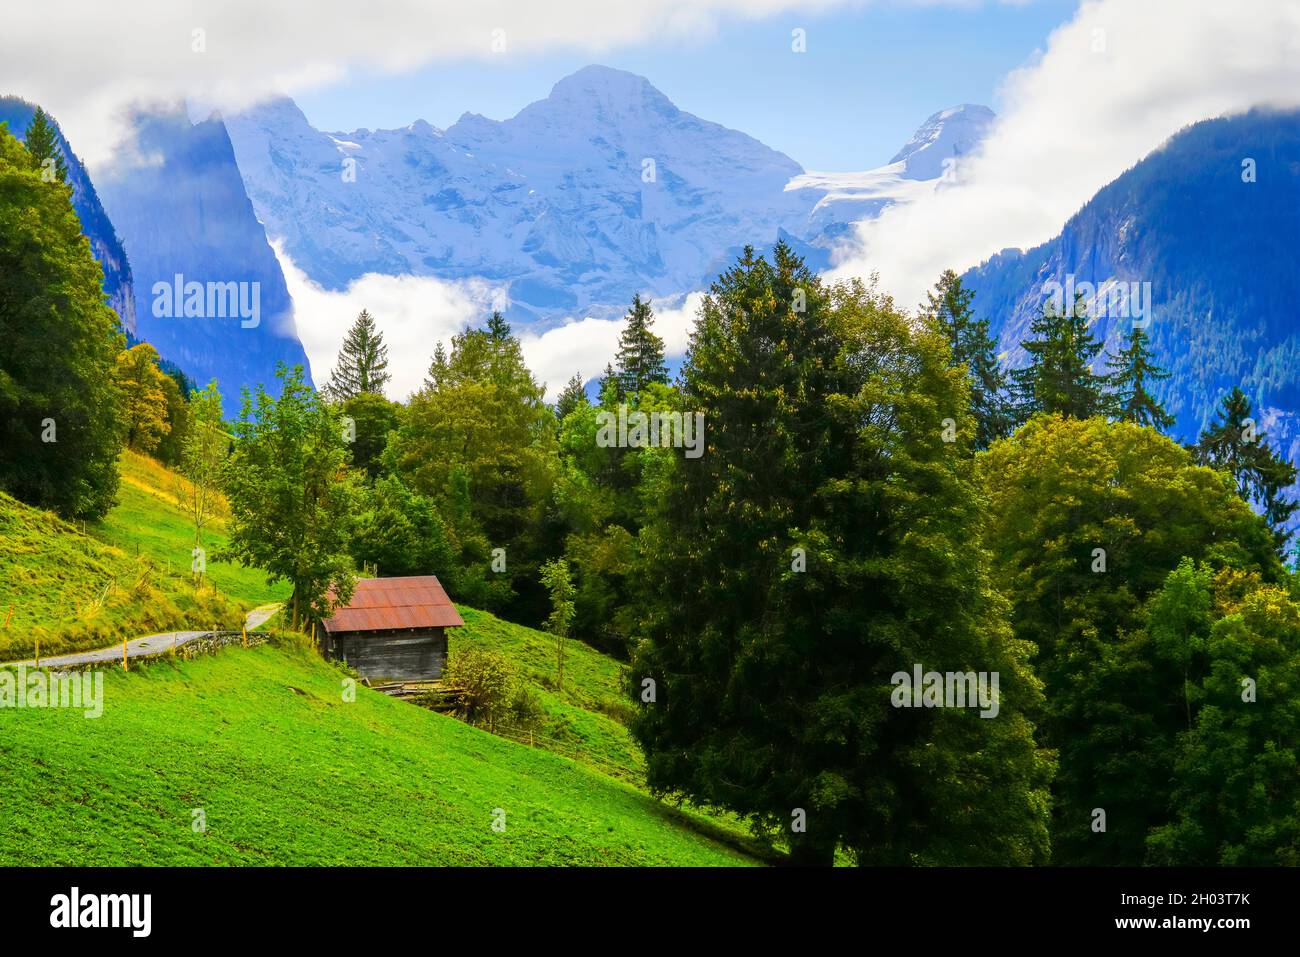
<point x="415" y="313"/>
<point x="1112" y="85"/>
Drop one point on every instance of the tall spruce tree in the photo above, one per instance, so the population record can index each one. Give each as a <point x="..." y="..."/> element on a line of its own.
<point x="640" y="351"/>
<point x="1059" y="377"/>
<point x="363" y="362"/>
<point x="788" y="586"/>
<point x="611" y="386"/>
<point x="574" y="395"/>
<point x="1131" y="370"/>
<point x="42" y="142"/>
<point x="1236" y="443"/>
<point x="948" y="307"/>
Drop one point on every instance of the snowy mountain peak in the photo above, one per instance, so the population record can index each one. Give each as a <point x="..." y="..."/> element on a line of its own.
<point x="949" y="133"/>
<point x="606" y="90"/>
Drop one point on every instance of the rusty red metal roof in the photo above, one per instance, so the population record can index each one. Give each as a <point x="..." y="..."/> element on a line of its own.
<point x="384" y="604"/>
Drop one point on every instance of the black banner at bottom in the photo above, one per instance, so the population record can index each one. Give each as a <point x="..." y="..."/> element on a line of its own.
<point x="413" y="906"/>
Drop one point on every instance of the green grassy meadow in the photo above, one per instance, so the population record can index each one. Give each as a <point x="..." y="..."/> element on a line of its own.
<point x="286" y="771"/>
<point x="149" y="518"/>
<point x="72" y="592"/>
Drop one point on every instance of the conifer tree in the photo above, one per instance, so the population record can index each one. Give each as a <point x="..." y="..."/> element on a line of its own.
<point x="497" y="327"/>
<point x="437" y="368"/>
<point x="1131" y="370"/>
<point x="611" y="386"/>
<point x="1059" y="377"/>
<point x="574" y="395"/>
<point x="42" y="141"/>
<point x="1236" y="443"/>
<point x="786" y="588"/>
<point x="640" y="351"/>
<point x="363" y="362"/>
<point x="948" y="306"/>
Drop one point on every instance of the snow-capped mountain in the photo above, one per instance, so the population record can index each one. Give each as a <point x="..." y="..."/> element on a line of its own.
<point x="923" y="164"/>
<point x="602" y="189"/>
<point x="599" y="190"/>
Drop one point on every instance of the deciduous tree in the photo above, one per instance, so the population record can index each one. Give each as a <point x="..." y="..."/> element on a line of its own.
<point x="291" y="502"/>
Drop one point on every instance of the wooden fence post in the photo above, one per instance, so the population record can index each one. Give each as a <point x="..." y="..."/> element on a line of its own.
<point x="245" y="636"/>
<point x="38" y="652"/>
<point x="125" y="666"/>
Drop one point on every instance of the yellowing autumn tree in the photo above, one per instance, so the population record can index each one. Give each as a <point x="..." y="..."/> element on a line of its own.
<point x="144" y="396"/>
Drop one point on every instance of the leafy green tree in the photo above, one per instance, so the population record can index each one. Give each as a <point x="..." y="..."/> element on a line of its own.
<point x="1059" y="377"/>
<point x="948" y="307"/>
<point x="363" y="362"/>
<point x="203" y="458"/>
<point x="573" y="395"/>
<point x="1235" y="794"/>
<point x="1236" y="443"/>
<point x="372" y="418"/>
<point x="599" y="503"/>
<point x="291" y="505"/>
<point x="1131" y="369"/>
<point x="42" y="142"/>
<point x="479" y="440"/>
<point x="557" y="581"/>
<point x="400" y="533"/>
<point x="486" y="680"/>
<point x="144" y="397"/>
<point x="1085" y="521"/>
<point x="61" y="420"/>
<point x="172" y="444"/>
<point x="640" y="351"/>
<point x="792" y="571"/>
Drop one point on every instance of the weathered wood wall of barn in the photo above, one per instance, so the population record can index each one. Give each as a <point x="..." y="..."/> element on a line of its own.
<point x="400" y="655"/>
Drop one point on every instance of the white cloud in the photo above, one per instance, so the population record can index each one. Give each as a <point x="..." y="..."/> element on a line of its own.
<point x="413" y="312"/>
<point x="585" y="345"/>
<point x="86" y="61"/>
<point x="1114" y="83"/>
<point x="416" y="312"/>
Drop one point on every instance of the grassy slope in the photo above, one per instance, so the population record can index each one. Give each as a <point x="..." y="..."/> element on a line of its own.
<point x="586" y="720"/>
<point x="584" y="723"/>
<point x="287" y="772"/>
<point x="71" y="591"/>
<point x="148" y="518"/>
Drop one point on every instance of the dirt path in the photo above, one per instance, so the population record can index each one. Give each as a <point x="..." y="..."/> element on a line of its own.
<point x="145" y="646"/>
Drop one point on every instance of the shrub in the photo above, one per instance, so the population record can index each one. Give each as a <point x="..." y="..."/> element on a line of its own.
<point x="487" y="680"/>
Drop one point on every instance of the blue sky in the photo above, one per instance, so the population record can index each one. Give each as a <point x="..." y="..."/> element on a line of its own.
<point x="869" y="77"/>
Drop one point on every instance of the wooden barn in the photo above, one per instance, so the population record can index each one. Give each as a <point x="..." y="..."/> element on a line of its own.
<point x="393" y="628"/>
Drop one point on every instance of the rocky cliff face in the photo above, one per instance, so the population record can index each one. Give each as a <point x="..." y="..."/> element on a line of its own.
<point x="213" y="297"/>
